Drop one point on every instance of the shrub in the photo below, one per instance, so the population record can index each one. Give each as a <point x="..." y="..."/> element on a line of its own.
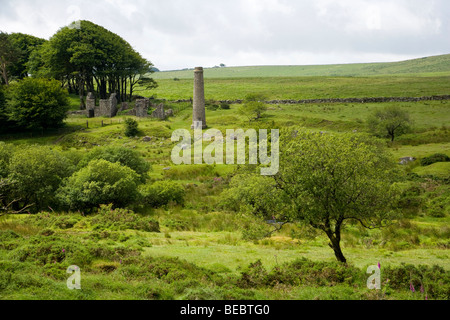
<point x="224" y="106"/>
<point x="437" y="157"/>
<point x="38" y="103"/>
<point x="37" y="173"/>
<point x="433" y="281"/>
<point x="131" y="128"/>
<point x="100" y="182"/>
<point x="6" y="152"/>
<point x="126" y="157"/>
<point x="162" y="193"/>
<point x="122" y="219"/>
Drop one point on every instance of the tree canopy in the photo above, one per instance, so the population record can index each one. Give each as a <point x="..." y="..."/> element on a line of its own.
<point x="91" y="58"/>
<point x="324" y="181"/>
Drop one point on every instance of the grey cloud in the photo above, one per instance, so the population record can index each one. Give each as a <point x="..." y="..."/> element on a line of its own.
<point x="179" y="33"/>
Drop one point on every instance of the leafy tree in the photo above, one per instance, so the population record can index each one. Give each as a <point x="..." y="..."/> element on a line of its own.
<point x="253" y="107"/>
<point x="327" y="180"/>
<point x="126" y="157"/>
<point x="100" y="182"/>
<point x="26" y="44"/>
<point x="389" y="122"/>
<point x="37" y="173"/>
<point x="333" y="179"/>
<point x="9" y="54"/>
<point x="38" y="103"/>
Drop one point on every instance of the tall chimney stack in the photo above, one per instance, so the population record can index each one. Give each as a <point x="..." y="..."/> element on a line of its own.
<point x="199" y="99"/>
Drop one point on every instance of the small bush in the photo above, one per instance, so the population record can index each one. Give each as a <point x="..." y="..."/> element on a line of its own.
<point x="131" y="128"/>
<point x="122" y="219"/>
<point x="100" y="182"/>
<point x="437" y="157"/>
<point x="431" y="281"/>
<point x="162" y="193"/>
<point x="126" y="157"/>
<point x="224" y="106"/>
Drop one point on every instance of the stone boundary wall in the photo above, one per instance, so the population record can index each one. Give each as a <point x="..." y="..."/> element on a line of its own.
<point x="341" y="100"/>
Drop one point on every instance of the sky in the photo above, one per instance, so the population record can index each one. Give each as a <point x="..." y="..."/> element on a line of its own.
<point x="177" y="34"/>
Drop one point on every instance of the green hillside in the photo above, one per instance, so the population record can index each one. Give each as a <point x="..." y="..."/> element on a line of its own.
<point x="434" y="64"/>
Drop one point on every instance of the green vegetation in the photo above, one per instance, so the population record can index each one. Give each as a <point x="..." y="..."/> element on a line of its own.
<point x="131" y="128"/>
<point x="100" y="182"/>
<point x="298" y="88"/>
<point x="37" y="103"/>
<point x="95" y="194"/>
<point x="389" y="122"/>
<point x="91" y="59"/>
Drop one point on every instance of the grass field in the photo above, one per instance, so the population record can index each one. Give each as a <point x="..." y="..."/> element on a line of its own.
<point x="298" y="88"/>
<point x="200" y="251"/>
<point x="427" y="66"/>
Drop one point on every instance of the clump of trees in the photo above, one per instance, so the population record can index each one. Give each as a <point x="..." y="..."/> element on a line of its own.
<point x="325" y="181"/>
<point x="15" y="52"/>
<point x="92" y="59"/>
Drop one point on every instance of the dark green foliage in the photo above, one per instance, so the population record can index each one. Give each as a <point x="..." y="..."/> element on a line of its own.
<point x="9" y="55"/>
<point x="26" y="44"/>
<point x="6" y="152"/>
<point x="37" y="172"/>
<point x="78" y="55"/>
<point x="100" y="182"/>
<point x="122" y="219"/>
<point x="131" y="128"/>
<point x="126" y="157"/>
<point x="37" y="103"/>
<point x="161" y="193"/>
<point x="224" y="106"/>
<point x="437" y="157"/>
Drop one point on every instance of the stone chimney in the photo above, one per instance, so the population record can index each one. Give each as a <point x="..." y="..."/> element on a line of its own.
<point x="199" y="99"/>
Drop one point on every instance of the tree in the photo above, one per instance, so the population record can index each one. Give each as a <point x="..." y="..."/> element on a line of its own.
<point x="253" y="107"/>
<point x="9" y="54"/>
<point x="390" y="122"/>
<point x="333" y="179"/>
<point x="37" y="103"/>
<point x="327" y="180"/>
<point x="26" y="44"/>
<point x="100" y="182"/>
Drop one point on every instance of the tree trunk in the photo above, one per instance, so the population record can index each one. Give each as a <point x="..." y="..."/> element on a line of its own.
<point x="335" y="245"/>
<point x="335" y="240"/>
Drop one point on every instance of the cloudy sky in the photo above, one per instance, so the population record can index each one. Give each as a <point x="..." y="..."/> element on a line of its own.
<point x="175" y="34"/>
